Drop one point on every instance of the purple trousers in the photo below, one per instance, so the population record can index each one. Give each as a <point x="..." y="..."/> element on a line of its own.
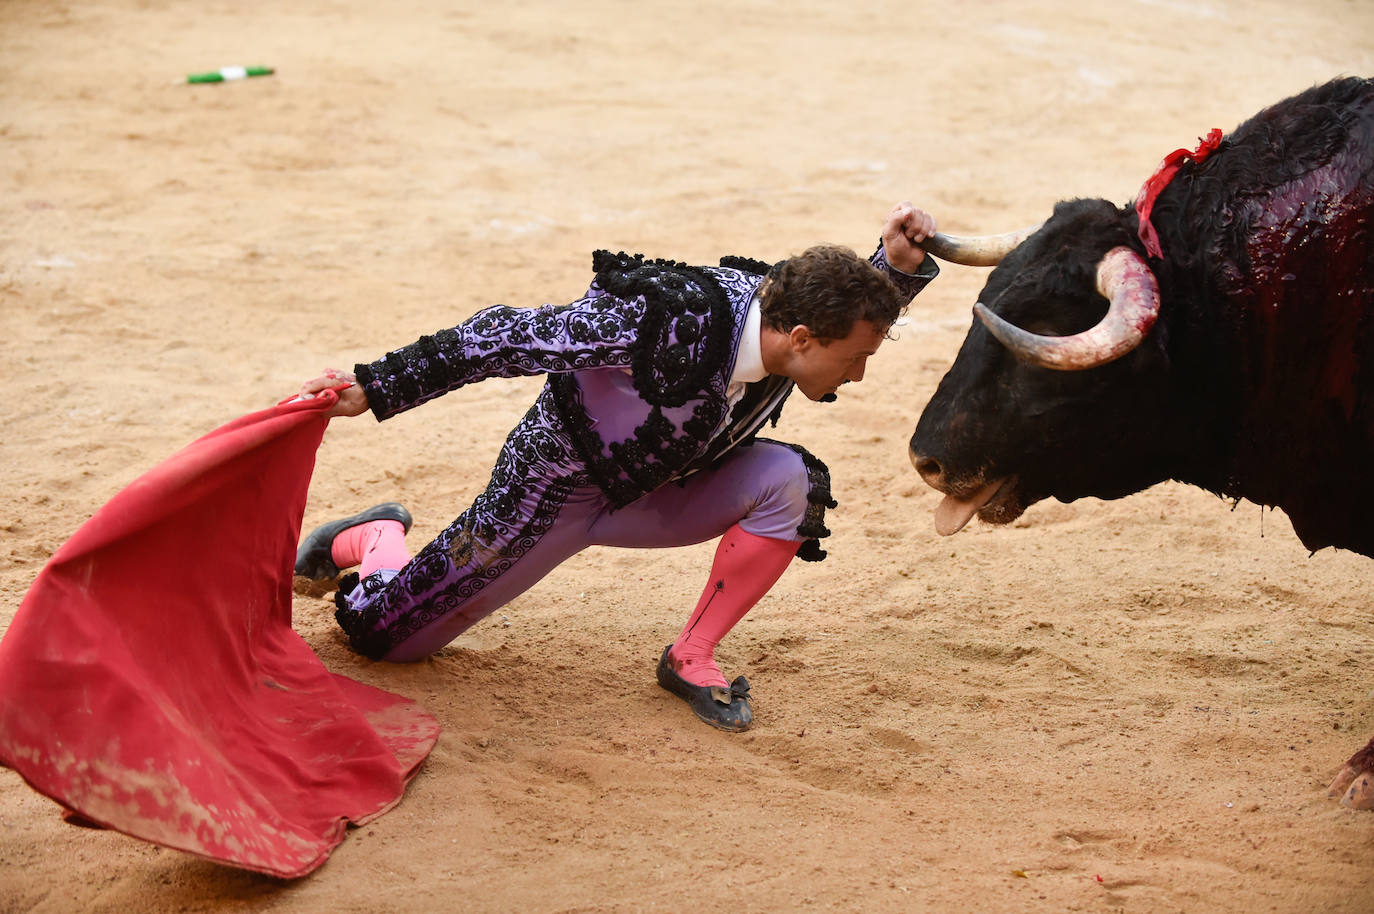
<point x="541" y="508"/>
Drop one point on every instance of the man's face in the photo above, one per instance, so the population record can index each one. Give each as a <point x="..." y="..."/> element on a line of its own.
<point x="819" y="366"/>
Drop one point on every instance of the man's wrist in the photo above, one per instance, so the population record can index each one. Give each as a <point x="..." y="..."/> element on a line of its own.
<point x="924" y="269"/>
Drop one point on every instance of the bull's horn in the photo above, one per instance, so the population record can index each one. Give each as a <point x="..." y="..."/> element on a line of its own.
<point x="975" y="250"/>
<point x="1125" y="279"/>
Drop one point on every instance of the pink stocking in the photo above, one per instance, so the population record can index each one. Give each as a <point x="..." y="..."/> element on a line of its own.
<point x="745" y="568"/>
<point x="379" y="544"/>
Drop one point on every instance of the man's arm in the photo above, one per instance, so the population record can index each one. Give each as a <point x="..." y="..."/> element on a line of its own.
<point x="500" y="341"/>
<point x="503" y="342"/>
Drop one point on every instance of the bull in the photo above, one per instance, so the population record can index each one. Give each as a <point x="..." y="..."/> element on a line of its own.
<point x="1219" y="331"/>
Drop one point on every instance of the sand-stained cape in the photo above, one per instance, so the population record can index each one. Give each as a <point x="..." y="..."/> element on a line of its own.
<point x="151" y="682"/>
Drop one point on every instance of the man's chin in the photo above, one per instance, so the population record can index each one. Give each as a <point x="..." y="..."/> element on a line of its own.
<point x="822" y="395"/>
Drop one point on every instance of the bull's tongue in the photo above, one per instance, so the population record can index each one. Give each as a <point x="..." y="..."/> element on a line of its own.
<point x="952" y="513"/>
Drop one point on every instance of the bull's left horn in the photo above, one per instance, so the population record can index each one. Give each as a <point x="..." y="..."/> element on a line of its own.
<point x="1125" y="279"/>
<point x="976" y="250"/>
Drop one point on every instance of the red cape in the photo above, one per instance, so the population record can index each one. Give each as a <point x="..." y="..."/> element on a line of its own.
<point x="151" y="681"/>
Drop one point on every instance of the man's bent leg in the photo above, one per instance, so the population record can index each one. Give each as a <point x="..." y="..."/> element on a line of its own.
<point x="469" y="570"/>
<point x="533" y="514"/>
<point x="766" y="500"/>
<point x="773" y="490"/>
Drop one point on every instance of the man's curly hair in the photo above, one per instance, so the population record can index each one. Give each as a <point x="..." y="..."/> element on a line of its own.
<point x="828" y="288"/>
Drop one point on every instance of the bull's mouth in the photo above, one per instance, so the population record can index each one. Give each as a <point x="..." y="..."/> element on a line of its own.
<point x="995" y="502"/>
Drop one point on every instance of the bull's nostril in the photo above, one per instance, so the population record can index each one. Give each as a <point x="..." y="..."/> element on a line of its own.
<point x="928" y="467"/>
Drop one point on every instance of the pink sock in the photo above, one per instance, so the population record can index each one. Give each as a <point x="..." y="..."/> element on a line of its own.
<point x="745" y="568"/>
<point x="379" y="544"/>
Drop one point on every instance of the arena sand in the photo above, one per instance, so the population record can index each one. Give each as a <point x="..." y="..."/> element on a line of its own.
<point x="1125" y="706"/>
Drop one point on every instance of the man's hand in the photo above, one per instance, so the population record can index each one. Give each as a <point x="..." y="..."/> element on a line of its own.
<point x="905" y="229"/>
<point x="352" y="400"/>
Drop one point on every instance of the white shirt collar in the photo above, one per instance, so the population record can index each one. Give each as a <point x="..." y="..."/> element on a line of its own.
<point x="749" y="359"/>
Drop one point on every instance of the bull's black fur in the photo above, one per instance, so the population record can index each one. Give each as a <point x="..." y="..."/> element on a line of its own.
<point x="1256" y="382"/>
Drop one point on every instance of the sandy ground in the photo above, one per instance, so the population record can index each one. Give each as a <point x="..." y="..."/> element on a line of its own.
<point x="1129" y="706"/>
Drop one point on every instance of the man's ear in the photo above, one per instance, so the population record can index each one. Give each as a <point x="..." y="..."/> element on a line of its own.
<point x="799" y="337"/>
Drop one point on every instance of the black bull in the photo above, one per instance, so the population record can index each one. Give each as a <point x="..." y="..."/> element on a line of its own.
<point x="1236" y="355"/>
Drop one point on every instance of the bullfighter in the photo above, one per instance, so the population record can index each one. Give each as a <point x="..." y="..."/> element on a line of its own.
<point x="657" y="379"/>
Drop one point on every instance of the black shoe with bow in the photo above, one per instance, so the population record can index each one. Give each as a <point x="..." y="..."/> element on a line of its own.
<point x="727" y="708"/>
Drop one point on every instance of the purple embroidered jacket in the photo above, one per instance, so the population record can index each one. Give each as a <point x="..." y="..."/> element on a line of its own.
<point x="638" y="368"/>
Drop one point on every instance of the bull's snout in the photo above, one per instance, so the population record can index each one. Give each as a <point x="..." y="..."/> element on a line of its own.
<point x="929" y="468"/>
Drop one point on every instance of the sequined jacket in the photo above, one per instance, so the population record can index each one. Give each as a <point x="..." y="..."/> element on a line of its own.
<point x="638" y="367"/>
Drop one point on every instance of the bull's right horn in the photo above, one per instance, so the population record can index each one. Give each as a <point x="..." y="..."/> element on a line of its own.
<point x="1125" y="280"/>
<point x="976" y="250"/>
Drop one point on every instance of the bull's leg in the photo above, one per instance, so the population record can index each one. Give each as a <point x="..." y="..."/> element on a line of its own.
<point x="1355" y="784"/>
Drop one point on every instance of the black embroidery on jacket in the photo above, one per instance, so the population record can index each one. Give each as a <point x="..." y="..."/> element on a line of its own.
<point x="685" y="338"/>
<point x="744" y="423"/>
<point x="670" y="367"/>
<point x="499" y="341"/>
<point x="604" y="471"/>
<point x="748" y="265"/>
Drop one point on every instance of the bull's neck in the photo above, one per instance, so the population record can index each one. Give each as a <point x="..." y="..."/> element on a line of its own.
<point x="1203" y="415"/>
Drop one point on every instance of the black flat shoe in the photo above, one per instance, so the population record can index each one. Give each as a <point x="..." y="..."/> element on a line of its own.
<point x="721" y="707"/>
<point x="313" y="558"/>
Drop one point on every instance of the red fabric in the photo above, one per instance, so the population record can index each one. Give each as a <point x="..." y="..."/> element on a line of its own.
<point x="151" y="682"/>
<point x="1149" y="193"/>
